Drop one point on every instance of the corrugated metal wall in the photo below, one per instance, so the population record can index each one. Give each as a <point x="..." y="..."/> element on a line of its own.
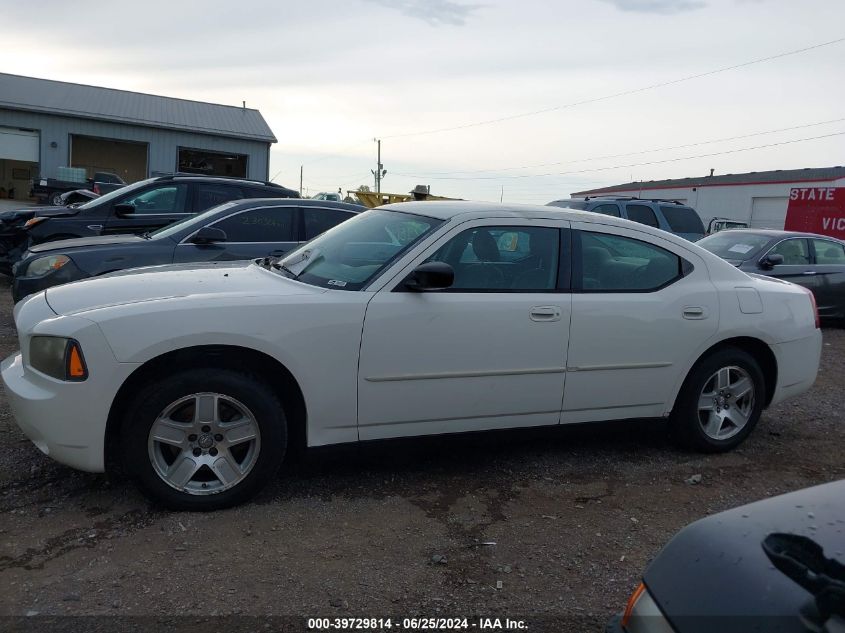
<point x="162" y="150"/>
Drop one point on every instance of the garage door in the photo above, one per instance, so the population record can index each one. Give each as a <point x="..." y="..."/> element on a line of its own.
<point x="124" y="158"/>
<point x="18" y="145"/>
<point x="768" y="213"/>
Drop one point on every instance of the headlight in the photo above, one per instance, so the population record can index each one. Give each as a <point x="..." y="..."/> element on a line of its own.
<point x="32" y="222"/>
<point x="642" y="615"/>
<point x="44" y="265"/>
<point x="57" y="357"/>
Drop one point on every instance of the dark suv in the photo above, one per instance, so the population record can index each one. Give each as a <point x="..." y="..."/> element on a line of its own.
<point x="137" y="208"/>
<point x="669" y="215"/>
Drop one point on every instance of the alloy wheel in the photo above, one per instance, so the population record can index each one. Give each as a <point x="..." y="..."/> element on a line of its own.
<point x="726" y="402"/>
<point x="204" y="443"/>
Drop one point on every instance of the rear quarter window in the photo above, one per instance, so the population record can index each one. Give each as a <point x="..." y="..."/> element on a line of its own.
<point x="682" y="219"/>
<point x="642" y="214"/>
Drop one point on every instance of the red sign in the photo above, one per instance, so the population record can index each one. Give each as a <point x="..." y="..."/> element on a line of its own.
<point x="817" y="210"/>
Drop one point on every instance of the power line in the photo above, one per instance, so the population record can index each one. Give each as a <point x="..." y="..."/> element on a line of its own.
<point x="653" y="162"/>
<point x="616" y="94"/>
<point x="645" y="151"/>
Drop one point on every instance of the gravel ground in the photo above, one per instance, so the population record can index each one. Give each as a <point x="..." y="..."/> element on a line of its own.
<point x="551" y="527"/>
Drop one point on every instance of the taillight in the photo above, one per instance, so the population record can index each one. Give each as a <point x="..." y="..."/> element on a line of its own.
<point x="632" y="602"/>
<point x="815" y="307"/>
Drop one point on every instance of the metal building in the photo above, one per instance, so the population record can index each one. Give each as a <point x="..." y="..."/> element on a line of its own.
<point x="47" y="124"/>
<point x="759" y="198"/>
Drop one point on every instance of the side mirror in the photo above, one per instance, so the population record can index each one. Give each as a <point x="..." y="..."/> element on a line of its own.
<point x="124" y="209"/>
<point x="771" y="260"/>
<point x="209" y="235"/>
<point x="430" y="276"/>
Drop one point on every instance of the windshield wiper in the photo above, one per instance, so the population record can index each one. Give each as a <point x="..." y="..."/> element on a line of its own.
<point x="283" y="268"/>
<point x="146" y="235"/>
<point x="271" y="262"/>
<point x="803" y="560"/>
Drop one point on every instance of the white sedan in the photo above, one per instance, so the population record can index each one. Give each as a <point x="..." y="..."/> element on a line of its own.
<point x="412" y="319"/>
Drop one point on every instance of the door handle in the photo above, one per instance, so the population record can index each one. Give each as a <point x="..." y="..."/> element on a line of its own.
<point x="694" y="312"/>
<point x="545" y="313"/>
<point x="809" y="272"/>
<point x="95" y="227"/>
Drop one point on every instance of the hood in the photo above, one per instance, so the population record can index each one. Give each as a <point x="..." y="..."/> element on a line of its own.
<point x="25" y="213"/>
<point x="717" y="566"/>
<point x="159" y="283"/>
<point x="98" y="240"/>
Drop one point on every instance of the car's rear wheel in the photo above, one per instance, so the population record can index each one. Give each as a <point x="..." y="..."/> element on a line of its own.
<point x="720" y="401"/>
<point x="56" y="199"/>
<point x="204" y="439"/>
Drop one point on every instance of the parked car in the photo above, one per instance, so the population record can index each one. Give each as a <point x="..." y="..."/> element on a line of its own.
<point x="324" y="195"/>
<point x="816" y="262"/>
<point x="720" y="224"/>
<point x="137" y="208"/>
<point x="50" y="190"/>
<point x="243" y="229"/>
<point x="773" y="565"/>
<point x="411" y="319"/>
<point x="78" y="197"/>
<point x="669" y="215"/>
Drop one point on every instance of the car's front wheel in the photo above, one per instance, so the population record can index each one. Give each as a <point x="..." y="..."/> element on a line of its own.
<point x="720" y="402"/>
<point x="204" y="439"/>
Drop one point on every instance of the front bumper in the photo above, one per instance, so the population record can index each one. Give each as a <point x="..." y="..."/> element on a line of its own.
<point x="65" y="420"/>
<point x="52" y="419"/>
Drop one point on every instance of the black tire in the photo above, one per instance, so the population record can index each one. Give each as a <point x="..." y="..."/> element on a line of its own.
<point x="685" y="422"/>
<point x="154" y="399"/>
<point x="56" y="199"/>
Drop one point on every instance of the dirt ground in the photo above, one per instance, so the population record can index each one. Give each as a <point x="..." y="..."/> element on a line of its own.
<point x="552" y="527"/>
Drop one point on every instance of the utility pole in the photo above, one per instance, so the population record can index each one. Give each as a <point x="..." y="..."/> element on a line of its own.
<point x="379" y="172"/>
<point x="300" y="180"/>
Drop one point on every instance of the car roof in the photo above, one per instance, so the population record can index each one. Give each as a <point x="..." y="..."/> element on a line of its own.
<point x="466" y="210"/>
<point x="297" y="202"/>
<point x="669" y="202"/>
<point x="775" y="234"/>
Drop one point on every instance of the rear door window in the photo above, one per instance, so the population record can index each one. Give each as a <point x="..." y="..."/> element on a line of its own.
<point x="828" y="252"/>
<point x="682" y="219"/>
<point x="613" y="263"/>
<point x="642" y="214"/>
<point x="211" y="194"/>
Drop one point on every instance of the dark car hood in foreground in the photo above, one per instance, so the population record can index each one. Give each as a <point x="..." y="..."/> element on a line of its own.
<point x="714" y="575"/>
<point x="81" y="242"/>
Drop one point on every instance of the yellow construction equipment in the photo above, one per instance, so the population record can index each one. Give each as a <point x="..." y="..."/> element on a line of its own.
<point x="371" y="199"/>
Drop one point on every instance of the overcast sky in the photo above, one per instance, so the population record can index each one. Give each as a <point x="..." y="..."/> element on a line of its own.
<point x="329" y="76"/>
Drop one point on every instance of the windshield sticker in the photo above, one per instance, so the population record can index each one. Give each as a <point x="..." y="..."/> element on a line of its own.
<point x="336" y="282"/>
<point x="740" y="248"/>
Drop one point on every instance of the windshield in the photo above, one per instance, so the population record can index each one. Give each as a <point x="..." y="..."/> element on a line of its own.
<point x="734" y="244"/>
<point x="196" y="220"/>
<point x="108" y="197"/>
<point x="348" y="256"/>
